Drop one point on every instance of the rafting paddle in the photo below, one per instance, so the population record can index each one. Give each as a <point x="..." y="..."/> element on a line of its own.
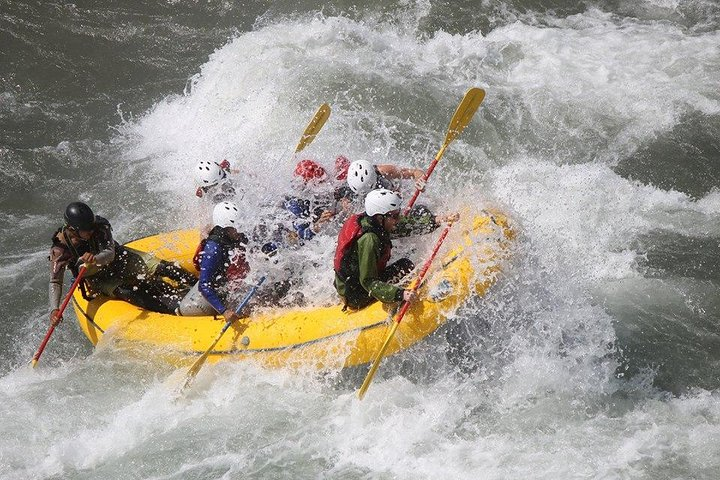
<point x="195" y="368"/>
<point x="313" y="127"/>
<point x="59" y="315"/>
<point x="463" y="114"/>
<point x="400" y="315"/>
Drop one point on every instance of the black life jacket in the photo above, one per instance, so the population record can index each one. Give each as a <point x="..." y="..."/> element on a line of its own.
<point x="236" y="267"/>
<point x="95" y="244"/>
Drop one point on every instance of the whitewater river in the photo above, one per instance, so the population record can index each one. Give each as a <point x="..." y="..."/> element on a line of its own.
<point x="595" y="356"/>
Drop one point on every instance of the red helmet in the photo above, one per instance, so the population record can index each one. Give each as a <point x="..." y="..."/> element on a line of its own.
<point x="341" y="167"/>
<point x="309" y="170"/>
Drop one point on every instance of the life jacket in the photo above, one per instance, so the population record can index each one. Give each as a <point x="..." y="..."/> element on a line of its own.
<point x="101" y="234"/>
<point x="237" y="267"/>
<point x="72" y="253"/>
<point x="349" y="234"/>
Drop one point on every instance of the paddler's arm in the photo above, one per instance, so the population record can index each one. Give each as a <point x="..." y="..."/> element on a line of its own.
<point x="210" y="263"/>
<point x="57" y="274"/>
<point x="403" y="173"/>
<point x="420" y="221"/>
<point x="368" y="255"/>
<point x="106" y="255"/>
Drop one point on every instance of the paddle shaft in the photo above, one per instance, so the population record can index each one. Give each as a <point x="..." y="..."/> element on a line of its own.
<point x="401" y="314"/>
<point x="62" y="308"/>
<point x="461" y="118"/>
<point x="195" y="368"/>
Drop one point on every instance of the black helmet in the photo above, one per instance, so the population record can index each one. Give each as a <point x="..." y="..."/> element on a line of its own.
<point x="79" y="216"/>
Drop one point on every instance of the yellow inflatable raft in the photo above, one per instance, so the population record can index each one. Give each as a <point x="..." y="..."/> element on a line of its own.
<point x="325" y="337"/>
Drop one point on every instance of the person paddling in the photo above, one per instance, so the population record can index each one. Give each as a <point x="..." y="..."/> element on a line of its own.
<point x="314" y="202"/>
<point x="112" y="269"/>
<point x="362" y="177"/>
<point x="221" y="260"/>
<point x="213" y="181"/>
<point x="362" y="273"/>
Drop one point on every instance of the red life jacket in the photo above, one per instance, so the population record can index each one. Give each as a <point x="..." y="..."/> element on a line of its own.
<point x="350" y="232"/>
<point x="238" y="268"/>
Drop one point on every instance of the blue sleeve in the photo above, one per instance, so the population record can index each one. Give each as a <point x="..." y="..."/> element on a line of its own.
<point x="210" y="268"/>
<point x="297" y="207"/>
<point x="300" y="210"/>
<point x="303" y="230"/>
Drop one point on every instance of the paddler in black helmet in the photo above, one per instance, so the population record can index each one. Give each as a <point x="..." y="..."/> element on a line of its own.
<point x="112" y="269"/>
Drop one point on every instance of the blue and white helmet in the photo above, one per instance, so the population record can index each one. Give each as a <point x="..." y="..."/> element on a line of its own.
<point x="381" y="201"/>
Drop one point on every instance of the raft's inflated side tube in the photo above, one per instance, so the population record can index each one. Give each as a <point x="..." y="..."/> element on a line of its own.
<point x="325" y="337"/>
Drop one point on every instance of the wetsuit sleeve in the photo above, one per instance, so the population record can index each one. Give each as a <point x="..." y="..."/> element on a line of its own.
<point x="368" y="256"/>
<point x="106" y="255"/>
<point x="210" y="269"/>
<point x="57" y="273"/>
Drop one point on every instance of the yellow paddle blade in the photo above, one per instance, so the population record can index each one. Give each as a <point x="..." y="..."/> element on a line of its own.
<point x="314" y="127"/>
<point x="376" y="362"/>
<point x="195" y="368"/>
<point x="464" y="113"/>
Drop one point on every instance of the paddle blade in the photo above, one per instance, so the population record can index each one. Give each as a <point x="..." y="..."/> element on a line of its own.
<point x="195" y="368"/>
<point x="465" y="112"/>
<point x="314" y="127"/>
<point x="376" y="362"/>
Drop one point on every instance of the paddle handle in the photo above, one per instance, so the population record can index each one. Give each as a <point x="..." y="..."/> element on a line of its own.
<point x="195" y="367"/>
<point x="423" y="272"/>
<point x="62" y="308"/>
<point x="421" y="276"/>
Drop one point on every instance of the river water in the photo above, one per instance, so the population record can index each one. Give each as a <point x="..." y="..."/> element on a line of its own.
<point x="595" y="355"/>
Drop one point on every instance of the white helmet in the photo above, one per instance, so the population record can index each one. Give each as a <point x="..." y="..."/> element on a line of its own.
<point x="208" y="173"/>
<point x="381" y="201"/>
<point x="361" y="176"/>
<point x="226" y="214"/>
